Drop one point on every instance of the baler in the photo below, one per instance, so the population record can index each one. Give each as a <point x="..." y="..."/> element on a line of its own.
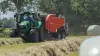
<point x="56" y="26"/>
<point x="35" y="29"/>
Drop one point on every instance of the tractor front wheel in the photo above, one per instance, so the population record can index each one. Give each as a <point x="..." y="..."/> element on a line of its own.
<point x="34" y="37"/>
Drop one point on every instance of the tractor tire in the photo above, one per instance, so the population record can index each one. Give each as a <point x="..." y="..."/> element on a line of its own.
<point x="41" y="34"/>
<point x="25" y="37"/>
<point x="57" y="35"/>
<point x="34" y="36"/>
<point x="13" y="34"/>
<point x="63" y="35"/>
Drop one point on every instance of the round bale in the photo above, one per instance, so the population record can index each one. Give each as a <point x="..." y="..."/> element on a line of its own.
<point x="93" y="30"/>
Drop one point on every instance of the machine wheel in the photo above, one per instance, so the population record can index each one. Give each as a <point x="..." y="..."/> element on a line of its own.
<point x="57" y="35"/>
<point x="34" y="36"/>
<point x="63" y="35"/>
<point x="25" y="37"/>
<point x="13" y="34"/>
<point x="41" y="34"/>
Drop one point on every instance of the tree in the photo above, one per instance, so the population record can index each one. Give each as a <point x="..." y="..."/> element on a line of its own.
<point x="88" y="8"/>
<point x="8" y="23"/>
<point x="53" y="6"/>
<point x="66" y="8"/>
<point x="13" y="4"/>
<point x="1" y="23"/>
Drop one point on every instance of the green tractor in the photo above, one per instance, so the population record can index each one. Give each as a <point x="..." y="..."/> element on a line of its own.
<point x="31" y="29"/>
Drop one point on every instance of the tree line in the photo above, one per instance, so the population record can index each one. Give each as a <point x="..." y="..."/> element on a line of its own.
<point x="7" y="23"/>
<point x="78" y="13"/>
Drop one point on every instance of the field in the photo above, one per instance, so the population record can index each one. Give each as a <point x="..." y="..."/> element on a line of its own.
<point x="17" y="47"/>
<point x="73" y="54"/>
<point x="67" y="47"/>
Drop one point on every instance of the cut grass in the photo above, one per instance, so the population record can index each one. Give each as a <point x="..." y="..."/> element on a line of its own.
<point x="57" y="45"/>
<point x="73" y="54"/>
<point x="17" y="47"/>
<point x="77" y="36"/>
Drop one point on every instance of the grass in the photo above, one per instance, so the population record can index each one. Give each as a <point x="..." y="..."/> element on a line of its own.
<point x="17" y="47"/>
<point x="76" y="36"/>
<point x="54" y="48"/>
<point x="73" y="54"/>
<point x="20" y="47"/>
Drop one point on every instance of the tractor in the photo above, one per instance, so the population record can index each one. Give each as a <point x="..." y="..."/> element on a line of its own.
<point x="34" y="28"/>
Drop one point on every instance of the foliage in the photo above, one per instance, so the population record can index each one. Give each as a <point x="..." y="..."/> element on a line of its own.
<point x="53" y="6"/>
<point x="8" y="23"/>
<point x="78" y="13"/>
<point x="13" y="5"/>
<point x="5" y="32"/>
<point x="88" y="8"/>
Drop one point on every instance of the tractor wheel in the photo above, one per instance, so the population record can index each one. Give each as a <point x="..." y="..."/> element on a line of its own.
<point x="41" y="34"/>
<point x="34" y="36"/>
<point x="63" y="35"/>
<point x="25" y="37"/>
<point x="13" y="34"/>
<point x="57" y="35"/>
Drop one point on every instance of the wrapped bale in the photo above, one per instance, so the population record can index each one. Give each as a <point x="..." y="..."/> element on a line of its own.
<point x="93" y="30"/>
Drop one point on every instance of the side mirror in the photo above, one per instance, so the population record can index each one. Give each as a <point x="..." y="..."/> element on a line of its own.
<point x="90" y="47"/>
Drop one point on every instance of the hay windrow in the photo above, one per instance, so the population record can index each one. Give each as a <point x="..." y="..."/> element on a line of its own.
<point x="54" y="48"/>
<point x="10" y="41"/>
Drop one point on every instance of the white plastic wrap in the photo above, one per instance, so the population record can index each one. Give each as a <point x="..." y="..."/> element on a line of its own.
<point x="93" y="30"/>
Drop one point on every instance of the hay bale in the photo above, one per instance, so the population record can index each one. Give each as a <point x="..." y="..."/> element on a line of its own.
<point x="93" y="30"/>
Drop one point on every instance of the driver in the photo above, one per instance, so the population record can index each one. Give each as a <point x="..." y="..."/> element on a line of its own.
<point x="29" y="18"/>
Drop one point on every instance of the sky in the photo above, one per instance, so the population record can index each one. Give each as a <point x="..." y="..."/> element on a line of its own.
<point x="7" y="15"/>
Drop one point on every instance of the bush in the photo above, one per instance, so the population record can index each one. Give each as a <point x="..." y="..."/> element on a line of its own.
<point x="5" y="32"/>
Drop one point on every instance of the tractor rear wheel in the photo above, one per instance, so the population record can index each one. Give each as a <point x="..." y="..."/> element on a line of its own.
<point x="41" y="34"/>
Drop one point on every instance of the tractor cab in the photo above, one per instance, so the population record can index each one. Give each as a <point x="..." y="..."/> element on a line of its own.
<point x="30" y="18"/>
<point x="20" y="17"/>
